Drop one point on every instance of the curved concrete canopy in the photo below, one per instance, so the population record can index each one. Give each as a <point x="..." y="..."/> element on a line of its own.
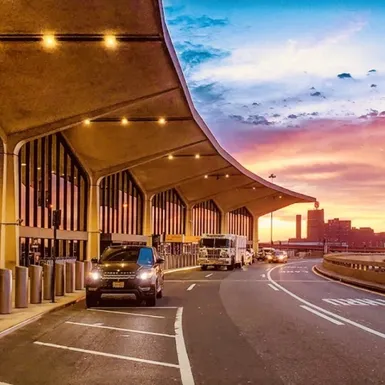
<point x="44" y="91"/>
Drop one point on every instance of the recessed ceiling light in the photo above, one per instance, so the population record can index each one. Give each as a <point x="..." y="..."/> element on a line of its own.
<point x="197" y="156"/>
<point x="253" y="188"/>
<point x="23" y="164"/>
<point x="170" y="157"/>
<point x="162" y="121"/>
<point x="49" y="41"/>
<point x="110" y="41"/>
<point x="280" y="197"/>
<point x="206" y="176"/>
<point x="227" y="176"/>
<point x="125" y="205"/>
<point x="87" y="122"/>
<point x="124" y="121"/>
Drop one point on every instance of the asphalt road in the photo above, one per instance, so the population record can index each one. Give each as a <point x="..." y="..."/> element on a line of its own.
<point x="264" y="324"/>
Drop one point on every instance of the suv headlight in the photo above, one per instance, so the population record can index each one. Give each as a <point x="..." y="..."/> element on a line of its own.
<point x="95" y="275"/>
<point x="145" y="275"/>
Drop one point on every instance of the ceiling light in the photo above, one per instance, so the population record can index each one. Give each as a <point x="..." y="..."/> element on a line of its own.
<point x="87" y="122"/>
<point x="162" y="121"/>
<point x="39" y="168"/>
<point x="253" y="188"/>
<point x="125" y="205"/>
<point x="280" y="197"/>
<point x="49" y="41"/>
<point x="206" y="176"/>
<point x="197" y="156"/>
<point x="110" y="41"/>
<point x="24" y="164"/>
<point x="170" y="157"/>
<point x="227" y="176"/>
<point x="124" y="121"/>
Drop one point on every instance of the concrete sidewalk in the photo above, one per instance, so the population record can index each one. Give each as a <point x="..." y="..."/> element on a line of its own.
<point x="20" y="317"/>
<point x="352" y="281"/>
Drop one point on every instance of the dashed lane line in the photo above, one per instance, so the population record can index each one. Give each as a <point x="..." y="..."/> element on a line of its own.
<point x="321" y="315"/>
<point x="98" y="326"/>
<point x="126" y="313"/>
<point x="96" y="353"/>
<point x="208" y="275"/>
<point x="273" y="287"/>
<point x="191" y="287"/>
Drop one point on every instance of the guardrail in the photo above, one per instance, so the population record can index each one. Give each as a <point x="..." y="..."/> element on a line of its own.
<point x="351" y="265"/>
<point x="178" y="261"/>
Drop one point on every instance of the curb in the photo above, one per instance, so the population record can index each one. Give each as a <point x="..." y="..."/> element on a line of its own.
<point x="349" y="281"/>
<point x="38" y="316"/>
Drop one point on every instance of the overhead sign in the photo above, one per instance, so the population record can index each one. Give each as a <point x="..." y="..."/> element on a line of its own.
<point x="192" y="239"/>
<point x="174" y="238"/>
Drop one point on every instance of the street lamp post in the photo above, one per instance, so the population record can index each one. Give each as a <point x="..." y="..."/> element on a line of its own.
<point x="272" y="177"/>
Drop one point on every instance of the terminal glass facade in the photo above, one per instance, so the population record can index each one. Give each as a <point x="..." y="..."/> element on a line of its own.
<point x="121" y="205"/>
<point x="51" y="178"/>
<point x="240" y="222"/>
<point x="206" y="218"/>
<point x="168" y="213"/>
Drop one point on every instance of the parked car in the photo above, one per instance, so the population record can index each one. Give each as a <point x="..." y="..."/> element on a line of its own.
<point x="278" y="256"/>
<point x="126" y="270"/>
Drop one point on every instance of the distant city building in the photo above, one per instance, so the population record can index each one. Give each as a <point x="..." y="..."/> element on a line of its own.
<point x="298" y="226"/>
<point x="315" y="225"/>
<point x="338" y="231"/>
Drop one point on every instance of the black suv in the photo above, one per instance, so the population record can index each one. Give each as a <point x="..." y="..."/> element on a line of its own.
<point x="135" y="270"/>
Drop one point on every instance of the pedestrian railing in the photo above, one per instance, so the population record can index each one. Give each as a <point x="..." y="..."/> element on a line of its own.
<point x="355" y="266"/>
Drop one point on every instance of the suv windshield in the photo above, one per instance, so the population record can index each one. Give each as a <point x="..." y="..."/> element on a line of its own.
<point x="214" y="242"/>
<point x="139" y="255"/>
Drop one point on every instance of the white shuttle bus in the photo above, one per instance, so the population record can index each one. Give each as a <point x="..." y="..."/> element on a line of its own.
<point x="222" y="250"/>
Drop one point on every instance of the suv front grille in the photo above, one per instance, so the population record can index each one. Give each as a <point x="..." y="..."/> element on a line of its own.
<point x="119" y="275"/>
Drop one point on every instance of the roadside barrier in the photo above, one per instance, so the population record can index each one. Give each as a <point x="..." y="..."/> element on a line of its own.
<point x="21" y="287"/>
<point x="70" y="277"/>
<point x="59" y="279"/>
<point x="5" y="291"/>
<point x="47" y="281"/>
<point x="79" y="279"/>
<point x="350" y="265"/>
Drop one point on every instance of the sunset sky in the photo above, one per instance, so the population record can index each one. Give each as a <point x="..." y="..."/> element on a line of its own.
<point x="297" y="88"/>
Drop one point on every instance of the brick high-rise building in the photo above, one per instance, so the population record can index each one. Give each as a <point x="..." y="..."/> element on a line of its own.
<point x="298" y="226"/>
<point x="338" y="231"/>
<point x="315" y="225"/>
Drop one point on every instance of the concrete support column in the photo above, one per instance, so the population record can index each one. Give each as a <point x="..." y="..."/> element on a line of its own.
<point x="9" y="251"/>
<point x="189" y="220"/>
<point x="225" y="223"/>
<point x="255" y="233"/>
<point x="93" y="246"/>
<point x="147" y="216"/>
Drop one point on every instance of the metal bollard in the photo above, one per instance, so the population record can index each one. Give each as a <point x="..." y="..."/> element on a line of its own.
<point x="21" y="293"/>
<point x="5" y="291"/>
<point x="87" y="269"/>
<point x="35" y="274"/>
<point x="79" y="280"/>
<point x="70" y="277"/>
<point x="47" y="281"/>
<point x="59" y="279"/>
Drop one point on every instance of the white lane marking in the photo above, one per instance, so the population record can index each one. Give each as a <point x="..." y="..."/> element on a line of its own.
<point x="183" y="360"/>
<point x="145" y="308"/>
<point x="355" y="301"/>
<point x="191" y="287"/>
<point x="125" y="313"/>
<point x="208" y="275"/>
<point x="180" y="269"/>
<point x="273" y="287"/>
<point x="96" y="353"/>
<point x="120" y="329"/>
<point x="4" y="383"/>
<point x="321" y="315"/>
<point x="346" y="320"/>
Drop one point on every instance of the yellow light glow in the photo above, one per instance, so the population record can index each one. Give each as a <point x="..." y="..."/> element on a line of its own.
<point x="110" y="41"/>
<point x="125" y="205"/>
<point x="49" y="41"/>
<point x="170" y="157"/>
<point x="87" y="122"/>
<point x="280" y="197"/>
<point x="197" y="156"/>
<point x="227" y="176"/>
<point x="24" y="164"/>
<point x="253" y="188"/>
<point x="162" y="121"/>
<point x="206" y="176"/>
<point x="124" y="121"/>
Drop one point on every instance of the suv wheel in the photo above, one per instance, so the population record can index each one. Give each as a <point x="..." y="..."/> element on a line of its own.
<point x="92" y="300"/>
